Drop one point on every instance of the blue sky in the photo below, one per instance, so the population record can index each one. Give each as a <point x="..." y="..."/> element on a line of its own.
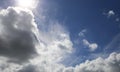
<point x="82" y="14"/>
<point x="68" y="33"/>
<point x="91" y="16"/>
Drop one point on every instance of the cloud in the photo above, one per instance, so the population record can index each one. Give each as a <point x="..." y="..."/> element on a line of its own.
<point x="110" y="13"/>
<point x="20" y="40"/>
<point x="117" y="19"/>
<point x="17" y="39"/>
<point x="114" y="45"/>
<point x="110" y="64"/>
<point x="69" y="69"/>
<point x="6" y="66"/>
<point x="92" y="46"/>
<point x="29" y="68"/>
<point x="27" y="48"/>
<point x="82" y="33"/>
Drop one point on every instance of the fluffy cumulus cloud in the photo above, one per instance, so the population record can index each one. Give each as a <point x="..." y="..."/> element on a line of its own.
<point x="91" y="46"/>
<point x="110" y="64"/>
<point x="25" y="48"/>
<point x="17" y="37"/>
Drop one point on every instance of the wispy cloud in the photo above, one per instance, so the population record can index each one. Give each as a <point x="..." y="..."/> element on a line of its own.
<point x="112" y="14"/>
<point x="109" y="13"/>
<point x="117" y="19"/>
<point x="114" y="45"/>
<point x="82" y="33"/>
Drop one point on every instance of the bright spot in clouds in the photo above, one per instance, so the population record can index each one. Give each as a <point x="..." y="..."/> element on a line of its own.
<point x="30" y="4"/>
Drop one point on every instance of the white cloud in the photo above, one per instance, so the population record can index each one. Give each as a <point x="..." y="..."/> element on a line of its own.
<point x="69" y="69"/>
<point x="111" y="13"/>
<point x="92" y="46"/>
<point x="82" y="33"/>
<point x="110" y="64"/>
<point x="56" y="42"/>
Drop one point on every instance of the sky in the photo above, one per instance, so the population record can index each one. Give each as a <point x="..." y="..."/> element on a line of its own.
<point x="59" y="36"/>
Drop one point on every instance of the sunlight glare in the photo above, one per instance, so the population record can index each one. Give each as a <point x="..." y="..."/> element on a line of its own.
<point x="27" y="3"/>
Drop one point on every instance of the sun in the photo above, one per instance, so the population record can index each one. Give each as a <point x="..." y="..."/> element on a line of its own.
<point x="31" y="4"/>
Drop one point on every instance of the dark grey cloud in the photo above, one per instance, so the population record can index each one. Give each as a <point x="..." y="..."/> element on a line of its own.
<point x="19" y="43"/>
<point x="29" y="68"/>
<point x="17" y="39"/>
